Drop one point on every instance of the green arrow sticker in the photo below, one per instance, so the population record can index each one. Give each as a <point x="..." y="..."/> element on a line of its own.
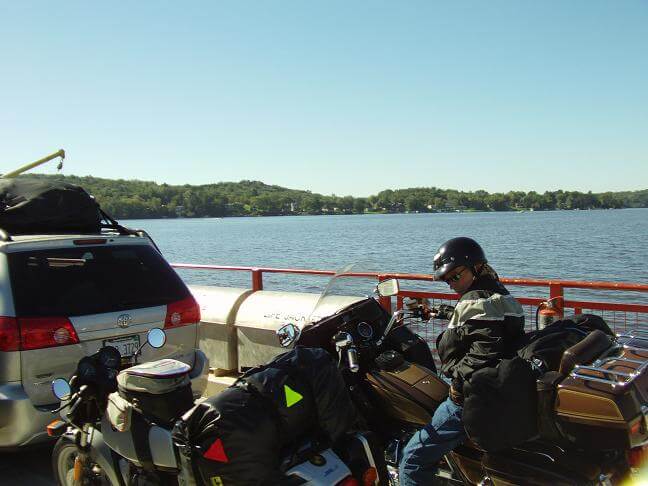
<point x="292" y="396"/>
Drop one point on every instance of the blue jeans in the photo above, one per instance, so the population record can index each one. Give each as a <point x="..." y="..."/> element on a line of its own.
<point x="427" y="446"/>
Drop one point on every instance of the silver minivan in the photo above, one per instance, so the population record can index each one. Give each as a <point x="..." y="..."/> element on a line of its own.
<point x="64" y="297"/>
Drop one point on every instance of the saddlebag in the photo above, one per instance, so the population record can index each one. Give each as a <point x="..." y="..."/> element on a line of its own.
<point x="119" y="412"/>
<point x="500" y="405"/>
<point x="239" y="436"/>
<point x="159" y="390"/>
<point x="602" y="406"/>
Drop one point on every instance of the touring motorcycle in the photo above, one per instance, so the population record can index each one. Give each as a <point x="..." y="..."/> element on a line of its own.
<point x="591" y="410"/>
<point x="123" y="426"/>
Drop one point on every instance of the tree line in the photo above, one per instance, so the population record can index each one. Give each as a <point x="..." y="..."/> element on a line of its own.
<point x="131" y="199"/>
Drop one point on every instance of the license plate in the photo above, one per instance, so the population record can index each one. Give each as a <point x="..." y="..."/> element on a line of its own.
<point x="126" y="345"/>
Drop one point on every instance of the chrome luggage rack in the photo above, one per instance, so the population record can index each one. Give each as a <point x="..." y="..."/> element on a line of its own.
<point x="620" y="379"/>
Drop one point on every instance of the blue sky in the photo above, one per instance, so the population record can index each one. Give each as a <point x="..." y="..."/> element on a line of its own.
<point x="344" y="97"/>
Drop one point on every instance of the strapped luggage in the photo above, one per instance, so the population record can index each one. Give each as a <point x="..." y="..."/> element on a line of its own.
<point x="160" y="390"/>
<point x="500" y="405"/>
<point x="240" y="435"/>
<point x="29" y="206"/>
<point x="548" y="345"/>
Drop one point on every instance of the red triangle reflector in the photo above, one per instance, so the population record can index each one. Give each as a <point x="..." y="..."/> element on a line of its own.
<point x="216" y="452"/>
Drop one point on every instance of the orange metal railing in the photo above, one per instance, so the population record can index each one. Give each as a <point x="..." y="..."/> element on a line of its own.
<point x="620" y="315"/>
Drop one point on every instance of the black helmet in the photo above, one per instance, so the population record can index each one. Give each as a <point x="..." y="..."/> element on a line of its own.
<point x="455" y="253"/>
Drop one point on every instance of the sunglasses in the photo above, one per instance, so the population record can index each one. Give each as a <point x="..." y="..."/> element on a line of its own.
<point x="456" y="277"/>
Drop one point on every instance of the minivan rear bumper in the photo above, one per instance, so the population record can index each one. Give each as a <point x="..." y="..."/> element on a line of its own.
<point x="21" y="423"/>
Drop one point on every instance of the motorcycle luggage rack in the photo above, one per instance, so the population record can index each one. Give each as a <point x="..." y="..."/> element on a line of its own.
<point x="610" y="376"/>
<point x="635" y="334"/>
<point x="628" y="378"/>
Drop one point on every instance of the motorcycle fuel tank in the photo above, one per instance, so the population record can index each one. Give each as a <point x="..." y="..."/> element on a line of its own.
<point x="408" y="393"/>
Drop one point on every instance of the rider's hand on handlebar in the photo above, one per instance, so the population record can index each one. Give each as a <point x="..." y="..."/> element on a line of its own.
<point x="443" y="311"/>
<point x="419" y="307"/>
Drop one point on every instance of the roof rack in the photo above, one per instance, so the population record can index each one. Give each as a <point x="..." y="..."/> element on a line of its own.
<point x="123" y="230"/>
<point x="621" y="379"/>
<point x="110" y="224"/>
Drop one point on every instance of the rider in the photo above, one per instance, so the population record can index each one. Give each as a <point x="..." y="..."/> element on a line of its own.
<point x="484" y="325"/>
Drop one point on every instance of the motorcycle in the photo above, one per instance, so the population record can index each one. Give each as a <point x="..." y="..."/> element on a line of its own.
<point x="592" y="411"/>
<point x="118" y="427"/>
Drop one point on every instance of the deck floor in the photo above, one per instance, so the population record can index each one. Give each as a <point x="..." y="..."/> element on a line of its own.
<point x="31" y="466"/>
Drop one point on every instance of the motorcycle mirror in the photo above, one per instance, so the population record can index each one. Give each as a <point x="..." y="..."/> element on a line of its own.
<point x="288" y="334"/>
<point x="388" y="288"/>
<point x="156" y="337"/>
<point x="61" y="389"/>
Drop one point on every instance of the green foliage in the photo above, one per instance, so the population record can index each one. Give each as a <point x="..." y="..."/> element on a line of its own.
<point x="144" y="199"/>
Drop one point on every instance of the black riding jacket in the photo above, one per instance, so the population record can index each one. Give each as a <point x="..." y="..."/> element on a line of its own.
<point x="485" y="327"/>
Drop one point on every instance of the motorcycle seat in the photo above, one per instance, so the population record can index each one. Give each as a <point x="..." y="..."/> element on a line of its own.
<point x="585" y="351"/>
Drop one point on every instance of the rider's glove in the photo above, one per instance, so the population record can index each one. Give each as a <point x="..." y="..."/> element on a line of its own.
<point x="443" y="311"/>
<point x="420" y="307"/>
<point x="456" y="392"/>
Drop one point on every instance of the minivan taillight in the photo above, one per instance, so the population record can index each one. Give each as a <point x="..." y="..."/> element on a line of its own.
<point x="46" y="332"/>
<point x="182" y="313"/>
<point x="9" y="334"/>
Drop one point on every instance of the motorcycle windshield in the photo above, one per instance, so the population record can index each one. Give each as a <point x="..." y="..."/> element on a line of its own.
<point x="352" y="283"/>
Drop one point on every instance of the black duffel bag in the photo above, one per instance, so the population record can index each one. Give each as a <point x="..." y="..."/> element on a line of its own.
<point x="239" y="436"/>
<point x="305" y="384"/>
<point x="500" y="405"/>
<point x="548" y="345"/>
<point x="33" y="207"/>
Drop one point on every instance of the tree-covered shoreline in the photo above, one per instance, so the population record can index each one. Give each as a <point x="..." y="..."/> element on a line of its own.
<point x="134" y="199"/>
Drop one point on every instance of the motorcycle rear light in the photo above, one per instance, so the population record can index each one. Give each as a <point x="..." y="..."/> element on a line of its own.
<point x="637" y="457"/>
<point x="182" y="313"/>
<point x="370" y="477"/>
<point x="9" y="334"/>
<point x="348" y="481"/>
<point x="46" y="332"/>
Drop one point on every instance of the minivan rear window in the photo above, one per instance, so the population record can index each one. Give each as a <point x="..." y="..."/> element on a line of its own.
<point x="91" y="280"/>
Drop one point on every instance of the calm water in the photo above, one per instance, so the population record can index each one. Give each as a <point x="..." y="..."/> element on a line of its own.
<point x="607" y="245"/>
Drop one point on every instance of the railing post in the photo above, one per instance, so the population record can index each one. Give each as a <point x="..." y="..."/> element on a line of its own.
<point x="257" y="279"/>
<point x="385" y="302"/>
<point x="556" y="292"/>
